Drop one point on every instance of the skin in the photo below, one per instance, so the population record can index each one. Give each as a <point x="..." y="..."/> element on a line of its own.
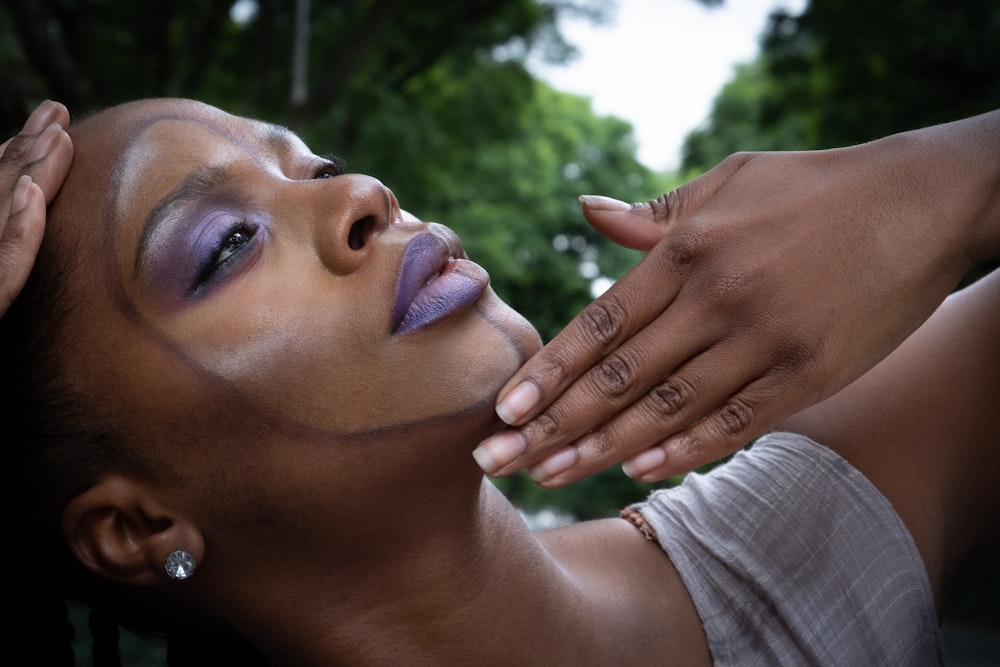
<point x="278" y="403"/>
<point x="779" y="279"/>
<point x="345" y="534"/>
<point x="33" y="164"/>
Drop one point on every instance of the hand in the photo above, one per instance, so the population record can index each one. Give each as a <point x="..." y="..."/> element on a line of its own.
<point x="33" y="165"/>
<point x="772" y="282"/>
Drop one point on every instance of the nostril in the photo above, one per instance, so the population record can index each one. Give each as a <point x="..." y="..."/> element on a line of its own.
<point x="360" y="230"/>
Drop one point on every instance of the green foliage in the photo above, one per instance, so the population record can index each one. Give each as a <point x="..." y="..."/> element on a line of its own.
<point x="432" y="98"/>
<point x="886" y="67"/>
<point x="742" y="119"/>
<point x="845" y="72"/>
<point x="597" y="497"/>
<point x="135" y="651"/>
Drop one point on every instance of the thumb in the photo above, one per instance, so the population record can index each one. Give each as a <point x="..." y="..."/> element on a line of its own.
<point x="641" y="226"/>
<point x="631" y="225"/>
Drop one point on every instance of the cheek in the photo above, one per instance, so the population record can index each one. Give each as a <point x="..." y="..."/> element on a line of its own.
<point x="334" y="370"/>
<point x="365" y="384"/>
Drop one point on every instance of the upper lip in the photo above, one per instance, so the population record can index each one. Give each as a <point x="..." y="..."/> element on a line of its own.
<point x="426" y="255"/>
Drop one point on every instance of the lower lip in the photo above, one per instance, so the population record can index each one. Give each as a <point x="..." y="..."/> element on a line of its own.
<point x="461" y="283"/>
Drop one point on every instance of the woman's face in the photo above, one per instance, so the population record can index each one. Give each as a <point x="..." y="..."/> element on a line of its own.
<point x="234" y="278"/>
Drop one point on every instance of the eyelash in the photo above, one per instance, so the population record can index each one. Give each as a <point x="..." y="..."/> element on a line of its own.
<point x="331" y="168"/>
<point x="225" y="251"/>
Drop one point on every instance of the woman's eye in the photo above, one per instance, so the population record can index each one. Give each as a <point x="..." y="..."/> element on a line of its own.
<point x="231" y="243"/>
<point x="329" y="169"/>
<point x="231" y="246"/>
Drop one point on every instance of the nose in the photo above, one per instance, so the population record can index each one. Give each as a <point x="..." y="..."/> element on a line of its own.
<point x="358" y="209"/>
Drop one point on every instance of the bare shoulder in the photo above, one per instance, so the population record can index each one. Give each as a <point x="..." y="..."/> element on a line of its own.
<point x="623" y="570"/>
<point x="922" y="426"/>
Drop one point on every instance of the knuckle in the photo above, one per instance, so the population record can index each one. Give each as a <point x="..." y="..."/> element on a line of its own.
<point x="794" y="356"/>
<point x="598" y="446"/>
<point x="614" y="375"/>
<point x="682" y="255"/>
<point x="736" y="417"/>
<point x="663" y="206"/>
<point x="689" y="449"/>
<point x="543" y="428"/>
<point x="669" y="398"/>
<point x="602" y="321"/>
<point x="16" y="151"/>
<point x="728" y="291"/>
<point x="554" y="368"/>
<point x="738" y="159"/>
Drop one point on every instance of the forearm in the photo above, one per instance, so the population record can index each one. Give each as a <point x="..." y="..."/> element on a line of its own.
<point x="955" y="169"/>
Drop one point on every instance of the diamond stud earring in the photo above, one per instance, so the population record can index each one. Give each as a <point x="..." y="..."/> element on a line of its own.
<point x="180" y="565"/>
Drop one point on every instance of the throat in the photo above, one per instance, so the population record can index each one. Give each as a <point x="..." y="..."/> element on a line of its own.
<point x="486" y="587"/>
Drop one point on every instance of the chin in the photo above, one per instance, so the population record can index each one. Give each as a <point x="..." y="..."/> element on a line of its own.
<point x="519" y="332"/>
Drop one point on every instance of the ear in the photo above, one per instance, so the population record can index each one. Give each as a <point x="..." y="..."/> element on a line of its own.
<point x="123" y="530"/>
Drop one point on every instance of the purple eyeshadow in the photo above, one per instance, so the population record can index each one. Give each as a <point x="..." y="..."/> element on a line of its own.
<point x="181" y="256"/>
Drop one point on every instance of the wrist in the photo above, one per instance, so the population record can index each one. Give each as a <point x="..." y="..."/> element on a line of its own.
<point x="965" y="159"/>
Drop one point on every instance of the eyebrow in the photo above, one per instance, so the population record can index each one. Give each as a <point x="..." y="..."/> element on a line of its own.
<point x="278" y="135"/>
<point x="192" y="189"/>
<point x="200" y="183"/>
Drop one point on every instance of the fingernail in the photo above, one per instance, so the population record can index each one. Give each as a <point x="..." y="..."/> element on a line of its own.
<point x="559" y="462"/>
<point x="20" y="199"/>
<point x="602" y="203"/>
<point x="639" y="465"/>
<point x="499" y="451"/>
<point x="40" y="118"/>
<point x="518" y="402"/>
<point x="44" y="142"/>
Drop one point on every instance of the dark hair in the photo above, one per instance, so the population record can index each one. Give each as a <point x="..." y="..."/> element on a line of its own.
<point x="55" y="444"/>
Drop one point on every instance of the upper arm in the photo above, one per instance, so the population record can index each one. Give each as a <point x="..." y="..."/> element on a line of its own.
<point x="924" y="427"/>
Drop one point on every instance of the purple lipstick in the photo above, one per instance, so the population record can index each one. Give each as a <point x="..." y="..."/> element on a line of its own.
<point x="435" y="280"/>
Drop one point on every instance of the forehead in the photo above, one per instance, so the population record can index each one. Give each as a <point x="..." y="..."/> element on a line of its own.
<point x="151" y="139"/>
<point x="129" y="157"/>
<point x="164" y="142"/>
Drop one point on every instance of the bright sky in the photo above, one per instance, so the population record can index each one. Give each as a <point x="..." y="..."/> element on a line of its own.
<point x="659" y="64"/>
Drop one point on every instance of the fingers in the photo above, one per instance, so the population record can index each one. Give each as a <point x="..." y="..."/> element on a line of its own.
<point x="672" y="405"/>
<point x="745" y="416"/>
<point x="641" y="226"/>
<point x="635" y="226"/>
<point x="722" y="381"/>
<point x="20" y="239"/>
<point x="600" y="328"/>
<point x="630" y="304"/>
<point x="50" y="159"/>
<point x="626" y="308"/>
<point x="33" y="165"/>
<point x="592" y="340"/>
<point x="748" y="412"/>
<point x="612" y="352"/>
<point x="42" y="149"/>
<point x="616" y="382"/>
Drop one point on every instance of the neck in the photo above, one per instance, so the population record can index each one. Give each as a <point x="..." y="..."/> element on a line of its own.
<point x="492" y="591"/>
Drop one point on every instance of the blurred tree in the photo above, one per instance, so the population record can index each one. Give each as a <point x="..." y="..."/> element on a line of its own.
<point x="432" y="98"/>
<point x="845" y="72"/>
<point x="740" y="120"/>
<point x="435" y="101"/>
<point x="885" y="67"/>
